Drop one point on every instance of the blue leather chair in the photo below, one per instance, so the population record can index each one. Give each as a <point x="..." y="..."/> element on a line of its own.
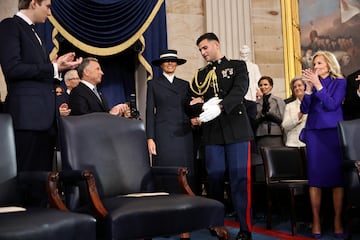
<point x="32" y="223"/>
<point x="349" y="135"/>
<point x="285" y="168"/>
<point x="113" y="151"/>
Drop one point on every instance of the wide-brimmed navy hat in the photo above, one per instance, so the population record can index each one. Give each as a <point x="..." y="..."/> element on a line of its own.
<point x="167" y="55"/>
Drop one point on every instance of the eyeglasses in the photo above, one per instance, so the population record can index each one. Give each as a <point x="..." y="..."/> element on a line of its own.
<point x="75" y="78"/>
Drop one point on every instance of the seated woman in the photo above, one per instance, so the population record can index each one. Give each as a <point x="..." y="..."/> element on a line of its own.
<point x="270" y="111"/>
<point x="294" y="120"/>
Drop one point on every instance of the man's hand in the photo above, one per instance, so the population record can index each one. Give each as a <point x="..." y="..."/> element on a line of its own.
<point x="119" y="109"/>
<point x="211" y="112"/>
<point x="64" y="110"/>
<point x="67" y="61"/>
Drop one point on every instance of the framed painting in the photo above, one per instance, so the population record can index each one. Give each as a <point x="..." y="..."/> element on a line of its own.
<point x="331" y="25"/>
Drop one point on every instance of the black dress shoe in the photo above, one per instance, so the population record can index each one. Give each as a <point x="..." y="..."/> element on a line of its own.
<point x="243" y="235"/>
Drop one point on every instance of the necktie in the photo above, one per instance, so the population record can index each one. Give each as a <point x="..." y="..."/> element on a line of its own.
<point x="36" y="34"/>
<point x="97" y="93"/>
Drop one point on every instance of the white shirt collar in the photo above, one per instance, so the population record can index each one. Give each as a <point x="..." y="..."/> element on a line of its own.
<point x="24" y="17"/>
<point x="89" y="85"/>
<point x="169" y="77"/>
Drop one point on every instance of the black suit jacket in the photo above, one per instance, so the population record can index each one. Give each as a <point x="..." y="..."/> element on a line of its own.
<point x="351" y="105"/>
<point x="83" y="100"/>
<point x="29" y="76"/>
<point x="233" y="124"/>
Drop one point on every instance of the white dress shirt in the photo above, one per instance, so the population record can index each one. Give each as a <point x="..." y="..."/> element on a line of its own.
<point x="170" y="78"/>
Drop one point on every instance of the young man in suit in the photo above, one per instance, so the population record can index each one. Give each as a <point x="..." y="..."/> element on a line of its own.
<point x="29" y="75"/>
<point x="226" y="130"/>
<point x="85" y="98"/>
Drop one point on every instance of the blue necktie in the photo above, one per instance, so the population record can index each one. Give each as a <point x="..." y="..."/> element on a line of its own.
<point x="97" y="93"/>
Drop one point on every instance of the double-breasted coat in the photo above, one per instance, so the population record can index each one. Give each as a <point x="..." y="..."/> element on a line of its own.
<point x="167" y="122"/>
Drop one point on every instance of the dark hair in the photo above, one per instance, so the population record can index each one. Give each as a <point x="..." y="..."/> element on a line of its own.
<point x="208" y="36"/>
<point x="85" y="62"/>
<point x="267" y="78"/>
<point x="24" y="4"/>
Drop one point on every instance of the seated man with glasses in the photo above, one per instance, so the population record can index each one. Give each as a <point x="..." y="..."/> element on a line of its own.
<point x="71" y="80"/>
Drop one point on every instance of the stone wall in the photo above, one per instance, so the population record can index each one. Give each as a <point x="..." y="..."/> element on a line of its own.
<point x="7" y="9"/>
<point x="186" y="22"/>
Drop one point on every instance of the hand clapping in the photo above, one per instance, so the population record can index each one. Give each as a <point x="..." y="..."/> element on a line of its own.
<point x="311" y="79"/>
<point x="67" y="61"/>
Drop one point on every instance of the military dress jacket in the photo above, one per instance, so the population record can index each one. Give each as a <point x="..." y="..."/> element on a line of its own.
<point x="231" y="85"/>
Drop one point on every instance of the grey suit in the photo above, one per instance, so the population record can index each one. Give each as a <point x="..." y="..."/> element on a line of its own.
<point x="277" y="108"/>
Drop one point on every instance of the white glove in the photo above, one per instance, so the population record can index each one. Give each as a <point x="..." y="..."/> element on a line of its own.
<point x="210" y="102"/>
<point x="211" y="112"/>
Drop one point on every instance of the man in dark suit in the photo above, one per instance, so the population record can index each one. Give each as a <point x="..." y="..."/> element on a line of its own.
<point x="351" y="107"/>
<point x="29" y="76"/>
<point x="85" y="98"/>
<point x="226" y="130"/>
<point x="71" y="80"/>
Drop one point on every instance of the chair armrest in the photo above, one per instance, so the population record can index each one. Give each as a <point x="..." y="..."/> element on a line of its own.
<point x="55" y="200"/>
<point x="179" y="172"/>
<point x="73" y="177"/>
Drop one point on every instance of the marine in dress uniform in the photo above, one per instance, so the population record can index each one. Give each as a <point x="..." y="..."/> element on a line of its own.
<point x="226" y="130"/>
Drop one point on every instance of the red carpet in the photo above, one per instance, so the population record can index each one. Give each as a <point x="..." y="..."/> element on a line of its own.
<point x="270" y="233"/>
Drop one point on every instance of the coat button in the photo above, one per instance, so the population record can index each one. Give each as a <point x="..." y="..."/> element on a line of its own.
<point x="240" y="112"/>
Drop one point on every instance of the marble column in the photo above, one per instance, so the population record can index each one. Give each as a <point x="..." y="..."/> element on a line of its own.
<point x="230" y="20"/>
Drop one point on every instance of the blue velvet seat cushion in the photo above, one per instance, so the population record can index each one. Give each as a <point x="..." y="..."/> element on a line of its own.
<point x="150" y="216"/>
<point x="42" y="223"/>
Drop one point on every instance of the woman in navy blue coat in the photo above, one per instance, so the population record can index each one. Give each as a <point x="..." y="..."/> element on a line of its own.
<point x="168" y="127"/>
<point x="325" y="91"/>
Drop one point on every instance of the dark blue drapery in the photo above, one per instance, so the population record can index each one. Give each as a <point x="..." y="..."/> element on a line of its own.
<point x="121" y="33"/>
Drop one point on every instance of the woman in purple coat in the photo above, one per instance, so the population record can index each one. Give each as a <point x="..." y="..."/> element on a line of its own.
<point x="325" y="91"/>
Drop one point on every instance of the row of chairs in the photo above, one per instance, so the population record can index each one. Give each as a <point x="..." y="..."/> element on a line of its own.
<point x="285" y="168"/>
<point x="105" y="162"/>
<point x="107" y="188"/>
<point x="32" y="223"/>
